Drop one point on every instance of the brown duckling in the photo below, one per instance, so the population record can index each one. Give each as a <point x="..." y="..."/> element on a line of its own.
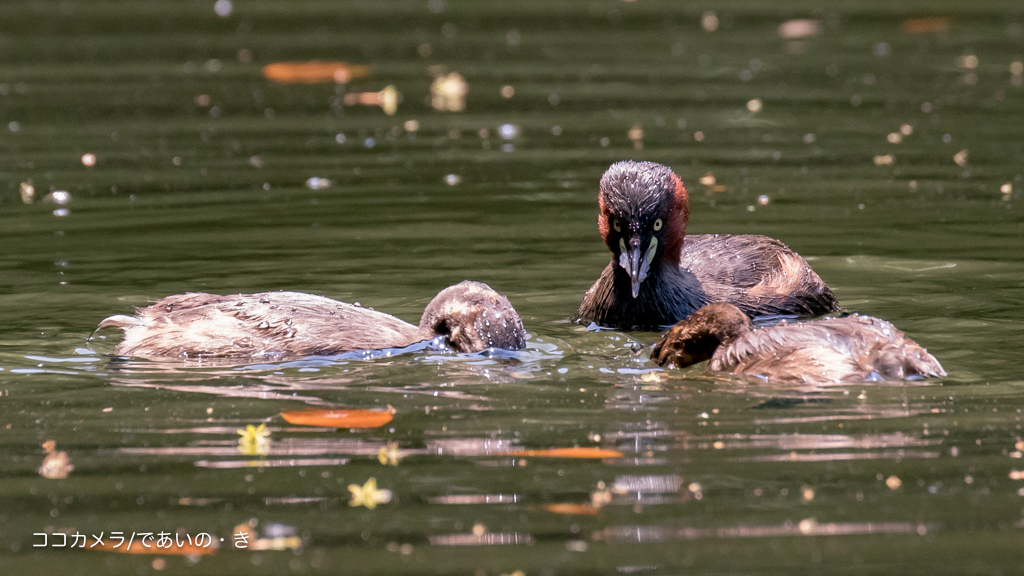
<point x="279" y="325"/>
<point x="658" y="275"/>
<point x="850" y="349"/>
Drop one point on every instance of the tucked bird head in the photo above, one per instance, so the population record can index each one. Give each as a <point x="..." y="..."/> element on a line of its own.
<point x="695" y="339"/>
<point x="644" y="210"/>
<point x="474" y="317"/>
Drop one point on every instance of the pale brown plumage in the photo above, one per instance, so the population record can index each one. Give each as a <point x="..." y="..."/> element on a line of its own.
<point x="850" y="349"/>
<point x="279" y="325"/>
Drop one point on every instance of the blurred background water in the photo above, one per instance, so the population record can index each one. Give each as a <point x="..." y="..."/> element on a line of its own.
<point x="380" y="151"/>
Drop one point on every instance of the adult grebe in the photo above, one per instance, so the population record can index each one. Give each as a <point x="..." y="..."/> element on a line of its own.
<point x="658" y="275"/>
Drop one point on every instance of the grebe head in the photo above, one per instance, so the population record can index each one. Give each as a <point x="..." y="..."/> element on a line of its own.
<point x="644" y="210"/>
<point x="695" y="339"/>
<point x="474" y="317"/>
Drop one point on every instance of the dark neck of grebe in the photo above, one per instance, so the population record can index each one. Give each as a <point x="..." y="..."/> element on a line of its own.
<point x="669" y="293"/>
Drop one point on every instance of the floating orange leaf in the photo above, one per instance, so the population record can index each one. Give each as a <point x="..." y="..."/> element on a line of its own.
<point x="338" y="418"/>
<point x="137" y="548"/>
<point x="568" y="453"/>
<point x="926" y="25"/>
<point x="313" y="71"/>
<point x="387" y="99"/>
<point x="572" y="509"/>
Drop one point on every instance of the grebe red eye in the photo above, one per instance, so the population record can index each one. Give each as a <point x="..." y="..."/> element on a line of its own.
<point x="657" y="224"/>
<point x="616" y="225"/>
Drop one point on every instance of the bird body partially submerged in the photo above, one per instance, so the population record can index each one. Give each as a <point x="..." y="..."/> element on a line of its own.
<point x="279" y="325"/>
<point x="659" y="275"/>
<point x="850" y="349"/>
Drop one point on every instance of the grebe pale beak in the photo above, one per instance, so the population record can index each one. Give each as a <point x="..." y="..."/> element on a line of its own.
<point x="631" y="261"/>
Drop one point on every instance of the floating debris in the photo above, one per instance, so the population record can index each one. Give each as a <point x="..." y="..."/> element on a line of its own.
<point x="968" y="62"/>
<point x="448" y="92"/>
<point x="313" y="72"/>
<point x="755" y="105"/>
<point x="1007" y="192"/>
<point x="572" y="509"/>
<point x="318" y="183"/>
<point x="893" y="482"/>
<point x="453" y="179"/>
<point x="338" y="418"/>
<point x="575" y="452"/>
<point x="696" y="489"/>
<point x="961" y="158"/>
<point x="254" y="440"/>
<point x="389" y="455"/>
<point x="387" y="99"/>
<point x="807" y="526"/>
<point x="636" y="134"/>
<point x="28" y="192"/>
<point x="799" y="28"/>
<point x="56" y="464"/>
<point x="906" y="129"/>
<point x="58" y="197"/>
<point x="203" y="100"/>
<point x="368" y="495"/>
<point x="885" y="160"/>
<point x="652" y="378"/>
<point x="411" y="125"/>
<point x="928" y="25"/>
<point x="763" y="199"/>
<point x="709" y="21"/>
<point x="894" y="138"/>
<point x="223" y="8"/>
<point x="600" y="497"/>
<point x="88" y="160"/>
<point x="710" y="181"/>
<point x="508" y="91"/>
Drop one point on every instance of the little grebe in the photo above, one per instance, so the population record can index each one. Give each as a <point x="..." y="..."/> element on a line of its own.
<point x="658" y="275"/>
<point x="850" y="349"/>
<point x="277" y="325"/>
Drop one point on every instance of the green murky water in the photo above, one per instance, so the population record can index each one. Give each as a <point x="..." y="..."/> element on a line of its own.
<point x="199" y="184"/>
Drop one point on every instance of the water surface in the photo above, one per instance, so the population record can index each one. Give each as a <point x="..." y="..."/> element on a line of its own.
<point x="200" y="185"/>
